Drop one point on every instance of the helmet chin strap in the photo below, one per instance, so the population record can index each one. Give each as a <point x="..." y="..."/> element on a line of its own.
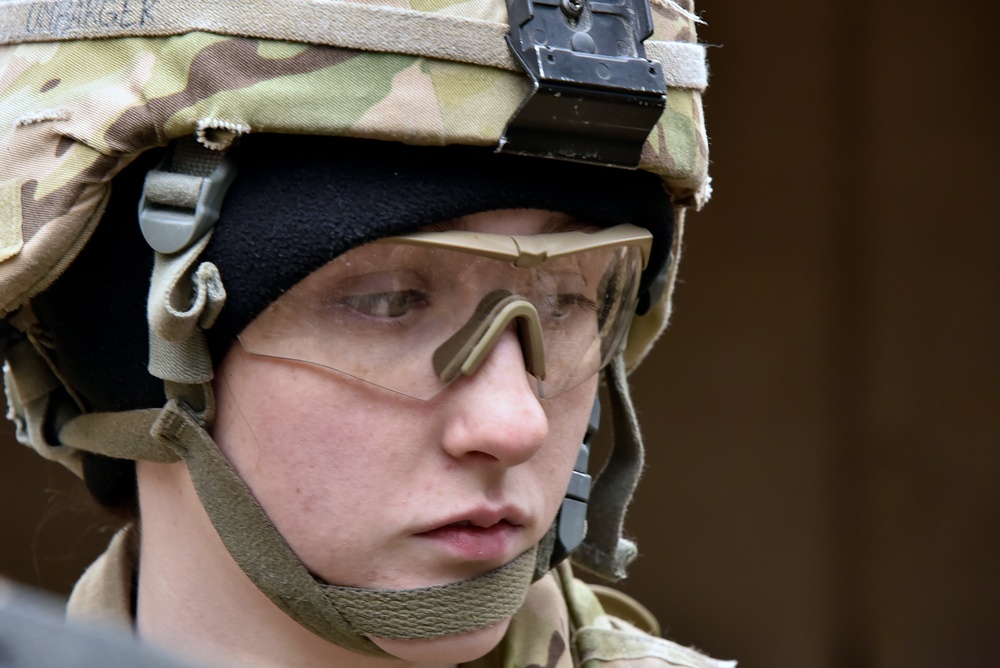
<point x="347" y="616"/>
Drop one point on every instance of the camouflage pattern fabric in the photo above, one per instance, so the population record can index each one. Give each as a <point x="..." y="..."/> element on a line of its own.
<point x="602" y="640"/>
<point x="74" y="113"/>
<point x="563" y="625"/>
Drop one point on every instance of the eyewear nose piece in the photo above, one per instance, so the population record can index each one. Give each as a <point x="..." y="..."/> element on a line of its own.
<point x="465" y="351"/>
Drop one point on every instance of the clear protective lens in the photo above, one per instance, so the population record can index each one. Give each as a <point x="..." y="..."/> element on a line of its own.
<point x="380" y="312"/>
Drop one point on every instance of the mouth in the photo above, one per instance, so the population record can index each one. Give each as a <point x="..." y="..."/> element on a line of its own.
<point x="472" y="527"/>
<point x="480" y="536"/>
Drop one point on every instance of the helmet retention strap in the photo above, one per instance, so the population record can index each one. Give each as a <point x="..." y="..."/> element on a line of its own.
<point x="604" y="551"/>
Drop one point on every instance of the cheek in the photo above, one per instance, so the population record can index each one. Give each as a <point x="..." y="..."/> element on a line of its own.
<point x="569" y="414"/>
<point x="313" y="453"/>
<point x="316" y="450"/>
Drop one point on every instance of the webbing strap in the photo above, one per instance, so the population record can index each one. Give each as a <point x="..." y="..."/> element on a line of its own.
<point x="330" y="22"/>
<point x="341" y="615"/>
<point x="124" y="435"/>
<point x="189" y="156"/>
<point x="604" y="551"/>
<point x="453" y="608"/>
<point x="178" y="182"/>
<point x="182" y="303"/>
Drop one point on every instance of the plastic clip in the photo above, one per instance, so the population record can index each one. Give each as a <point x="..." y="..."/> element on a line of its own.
<point x="595" y="96"/>
<point x="178" y="209"/>
<point x="571" y="523"/>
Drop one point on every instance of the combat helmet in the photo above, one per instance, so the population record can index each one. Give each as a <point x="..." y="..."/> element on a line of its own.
<point x="86" y="89"/>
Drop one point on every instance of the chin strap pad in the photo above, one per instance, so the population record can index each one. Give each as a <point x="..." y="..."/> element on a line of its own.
<point x="604" y="552"/>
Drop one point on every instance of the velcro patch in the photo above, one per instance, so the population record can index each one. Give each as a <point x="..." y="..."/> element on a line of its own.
<point x="11" y="240"/>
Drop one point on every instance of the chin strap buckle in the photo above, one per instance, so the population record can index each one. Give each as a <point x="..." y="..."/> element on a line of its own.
<point x="595" y="96"/>
<point x="183" y="195"/>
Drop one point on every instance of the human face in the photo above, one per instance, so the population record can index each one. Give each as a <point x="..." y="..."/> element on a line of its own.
<point x="376" y="489"/>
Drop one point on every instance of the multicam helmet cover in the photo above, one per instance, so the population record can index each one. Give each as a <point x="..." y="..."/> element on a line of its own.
<point x="74" y="110"/>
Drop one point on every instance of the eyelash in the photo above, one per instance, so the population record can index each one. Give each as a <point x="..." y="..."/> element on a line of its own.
<point x="370" y="305"/>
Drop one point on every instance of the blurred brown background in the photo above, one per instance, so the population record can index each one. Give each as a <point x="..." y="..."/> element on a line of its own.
<point x="823" y="417"/>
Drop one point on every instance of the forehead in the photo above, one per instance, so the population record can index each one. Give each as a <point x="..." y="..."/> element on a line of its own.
<point x="451" y="264"/>
<point x="514" y="221"/>
<point x="517" y="238"/>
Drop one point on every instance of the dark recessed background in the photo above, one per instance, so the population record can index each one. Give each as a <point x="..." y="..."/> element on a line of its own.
<point x="823" y="417"/>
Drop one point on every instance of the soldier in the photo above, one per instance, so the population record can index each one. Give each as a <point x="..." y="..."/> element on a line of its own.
<point x="318" y="297"/>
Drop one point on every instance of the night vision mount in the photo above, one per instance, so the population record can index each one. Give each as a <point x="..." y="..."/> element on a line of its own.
<point x="595" y="96"/>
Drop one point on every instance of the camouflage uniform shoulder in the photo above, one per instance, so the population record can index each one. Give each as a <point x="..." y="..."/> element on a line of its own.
<point x="612" y="630"/>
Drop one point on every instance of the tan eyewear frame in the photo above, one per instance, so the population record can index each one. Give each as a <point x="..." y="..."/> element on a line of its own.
<point x="529" y="250"/>
<point x="468" y="348"/>
<point x="464" y="352"/>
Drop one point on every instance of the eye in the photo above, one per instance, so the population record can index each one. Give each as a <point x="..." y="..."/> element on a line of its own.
<point x="384" y="305"/>
<point x="563" y="305"/>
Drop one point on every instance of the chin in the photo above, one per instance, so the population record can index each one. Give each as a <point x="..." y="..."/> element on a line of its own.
<point x="450" y="649"/>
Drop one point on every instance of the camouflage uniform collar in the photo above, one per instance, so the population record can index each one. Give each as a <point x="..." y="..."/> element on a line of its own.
<point x="104" y="591"/>
<point x="539" y="635"/>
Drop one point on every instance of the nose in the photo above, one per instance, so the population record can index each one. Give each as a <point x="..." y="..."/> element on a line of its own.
<point x="494" y="413"/>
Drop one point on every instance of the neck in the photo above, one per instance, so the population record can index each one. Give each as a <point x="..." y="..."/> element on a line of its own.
<point x="194" y="599"/>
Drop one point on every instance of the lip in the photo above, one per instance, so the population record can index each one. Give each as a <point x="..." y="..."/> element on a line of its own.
<point x="483" y="534"/>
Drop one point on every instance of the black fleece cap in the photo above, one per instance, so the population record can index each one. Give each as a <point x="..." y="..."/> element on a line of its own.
<point x="298" y="202"/>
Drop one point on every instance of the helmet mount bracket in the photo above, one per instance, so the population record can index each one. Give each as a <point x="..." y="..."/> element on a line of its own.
<point x="571" y="521"/>
<point x="595" y="96"/>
